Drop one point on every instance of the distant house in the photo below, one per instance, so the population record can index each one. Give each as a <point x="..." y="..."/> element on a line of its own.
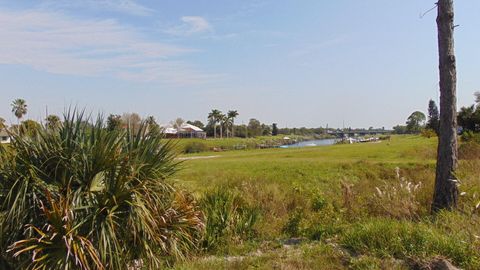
<point x="4" y="137"/>
<point x="185" y="131"/>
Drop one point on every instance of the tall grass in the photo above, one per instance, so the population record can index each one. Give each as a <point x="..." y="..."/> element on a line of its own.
<point x="84" y="197"/>
<point x="409" y="241"/>
<point x="367" y="203"/>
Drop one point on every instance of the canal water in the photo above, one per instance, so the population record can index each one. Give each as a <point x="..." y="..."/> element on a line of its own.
<point x="311" y="143"/>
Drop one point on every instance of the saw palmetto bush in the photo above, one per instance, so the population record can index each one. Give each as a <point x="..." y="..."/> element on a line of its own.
<point x="83" y="197"/>
<point x="229" y="219"/>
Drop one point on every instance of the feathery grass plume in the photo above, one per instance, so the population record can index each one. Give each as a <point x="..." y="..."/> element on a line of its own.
<point x="397" y="199"/>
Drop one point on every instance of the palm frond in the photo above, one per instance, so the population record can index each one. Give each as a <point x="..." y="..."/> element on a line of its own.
<point x="92" y="197"/>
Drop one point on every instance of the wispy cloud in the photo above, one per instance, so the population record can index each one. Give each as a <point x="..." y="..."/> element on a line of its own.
<point x="190" y="25"/>
<point x="56" y="43"/>
<point x="122" y="6"/>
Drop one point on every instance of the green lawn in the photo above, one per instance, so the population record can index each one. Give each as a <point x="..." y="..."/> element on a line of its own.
<point x="324" y="195"/>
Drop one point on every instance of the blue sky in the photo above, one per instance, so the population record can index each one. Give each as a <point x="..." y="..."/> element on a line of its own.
<point x="296" y="63"/>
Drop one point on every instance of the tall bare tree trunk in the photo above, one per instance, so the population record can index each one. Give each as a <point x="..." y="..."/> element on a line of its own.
<point x="446" y="191"/>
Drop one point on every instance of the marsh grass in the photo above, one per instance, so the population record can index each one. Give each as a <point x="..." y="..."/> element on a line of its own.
<point x="340" y="199"/>
<point x="363" y="206"/>
<point x="386" y="238"/>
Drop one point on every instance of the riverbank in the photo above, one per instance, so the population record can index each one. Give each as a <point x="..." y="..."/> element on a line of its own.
<point x="189" y="146"/>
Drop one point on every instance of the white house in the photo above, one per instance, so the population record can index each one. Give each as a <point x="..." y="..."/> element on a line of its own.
<point x="185" y="131"/>
<point x="4" y="137"/>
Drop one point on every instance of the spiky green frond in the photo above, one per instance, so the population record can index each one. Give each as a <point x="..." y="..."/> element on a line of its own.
<point x="111" y="188"/>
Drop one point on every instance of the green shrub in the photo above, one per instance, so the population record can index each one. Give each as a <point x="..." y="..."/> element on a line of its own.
<point x="318" y="202"/>
<point x="428" y="133"/>
<point x="228" y="218"/>
<point x="102" y="198"/>
<point x="407" y="240"/>
<point x="195" y="147"/>
<point x="321" y="231"/>
<point x="385" y="138"/>
<point x="292" y="226"/>
<point x="325" y="223"/>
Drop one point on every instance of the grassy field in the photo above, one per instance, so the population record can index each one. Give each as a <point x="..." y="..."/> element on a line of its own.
<point x="360" y="206"/>
<point x="308" y="166"/>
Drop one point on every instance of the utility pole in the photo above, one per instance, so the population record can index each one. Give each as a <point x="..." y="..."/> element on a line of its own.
<point x="446" y="190"/>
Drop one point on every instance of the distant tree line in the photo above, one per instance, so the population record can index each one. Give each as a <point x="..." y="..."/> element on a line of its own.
<point x="468" y="119"/>
<point x="53" y="122"/>
<point x="219" y="124"/>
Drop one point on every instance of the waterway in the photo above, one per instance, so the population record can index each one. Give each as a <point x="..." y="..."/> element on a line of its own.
<point x="322" y="142"/>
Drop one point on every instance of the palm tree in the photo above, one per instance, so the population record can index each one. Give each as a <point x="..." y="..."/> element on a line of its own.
<point x="213" y="117"/>
<point x="19" y="108"/>
<point x="150" y="120"/>
<point x="177" y="124"/>
<point x="222" y="120"/>
<point x="52" y="122"/>
<point x="132" y="120"/>
<point x="152" y="125"/>
<point x="231" y="115"/>
<point x="93" y="199"/>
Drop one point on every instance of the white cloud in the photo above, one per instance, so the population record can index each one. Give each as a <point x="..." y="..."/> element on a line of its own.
<point x="191" y="25"/>
<point x="122" y="6"/>
<point x="198" y="24"/>
<point x="56" y="43"/>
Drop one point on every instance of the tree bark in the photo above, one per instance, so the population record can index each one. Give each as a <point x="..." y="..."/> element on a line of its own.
<point x="446" y="190"/>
